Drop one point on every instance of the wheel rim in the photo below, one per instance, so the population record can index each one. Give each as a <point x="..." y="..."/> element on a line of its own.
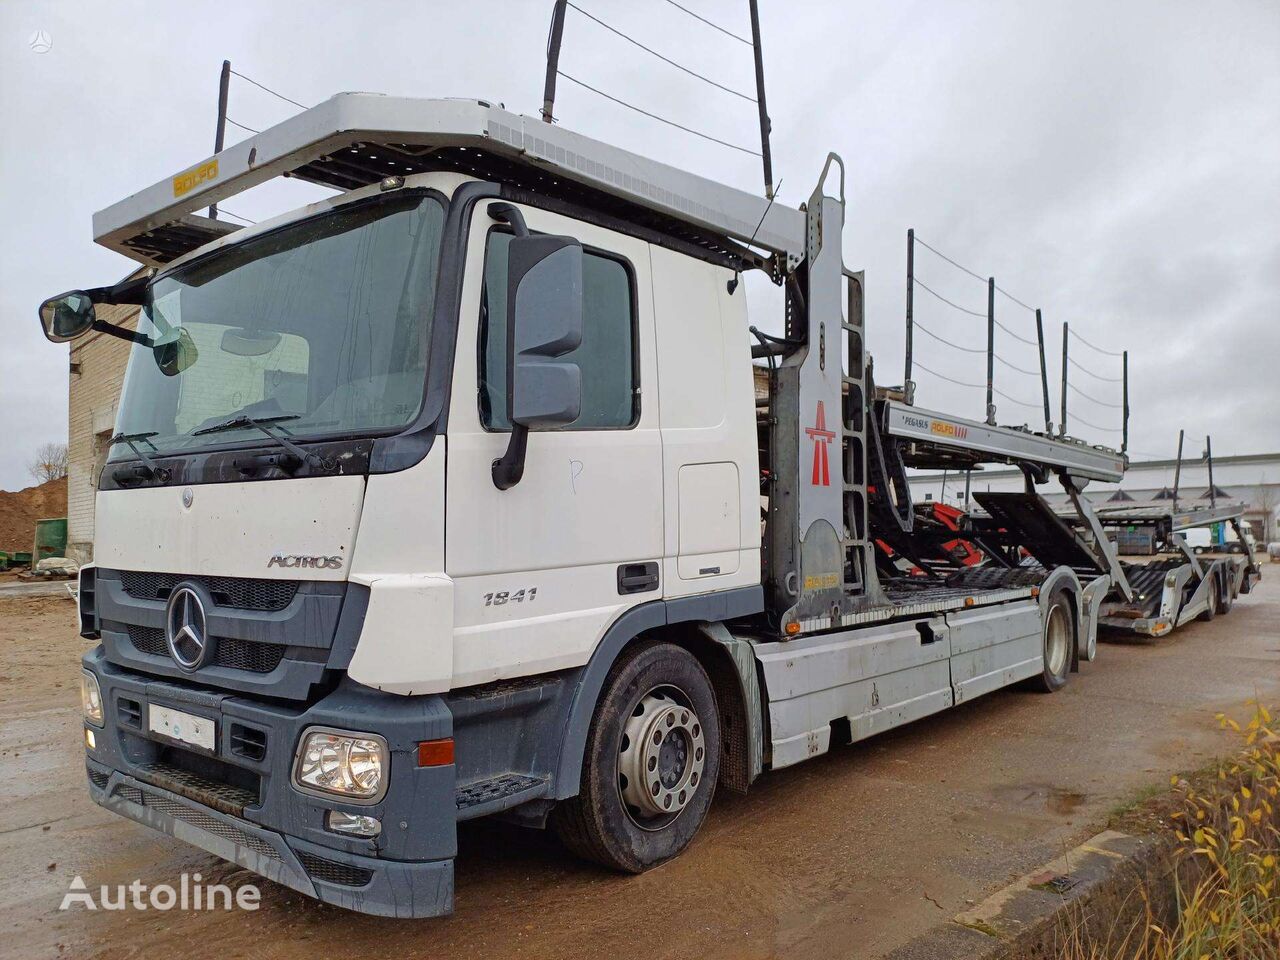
<point x="1057" y="640"/>
<point x="661" y="758"/>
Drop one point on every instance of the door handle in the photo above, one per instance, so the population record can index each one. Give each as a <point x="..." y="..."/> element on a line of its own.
<point x="637" y="577"/>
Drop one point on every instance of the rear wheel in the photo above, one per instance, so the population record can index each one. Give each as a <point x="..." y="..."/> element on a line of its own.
<point x="1058" y="639"/>
<point x="652" y="759"/>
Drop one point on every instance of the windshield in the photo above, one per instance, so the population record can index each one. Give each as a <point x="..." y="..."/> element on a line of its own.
<point x="323" y="324"/>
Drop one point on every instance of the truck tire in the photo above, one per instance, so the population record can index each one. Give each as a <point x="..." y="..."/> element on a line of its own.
<point x="651" y="764"/>
<point x="1226" y="597"/>
<point x="1058" y="639"/>
<point x="1212" y="609"/>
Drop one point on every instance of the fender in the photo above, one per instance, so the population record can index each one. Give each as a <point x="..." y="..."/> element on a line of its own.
<point x="712" y="607"/>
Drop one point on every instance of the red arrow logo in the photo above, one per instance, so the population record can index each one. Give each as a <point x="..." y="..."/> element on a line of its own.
<point x="821" y="438"/>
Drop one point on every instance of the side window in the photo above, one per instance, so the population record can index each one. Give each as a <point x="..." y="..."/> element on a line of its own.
<point x="610" y="383"/>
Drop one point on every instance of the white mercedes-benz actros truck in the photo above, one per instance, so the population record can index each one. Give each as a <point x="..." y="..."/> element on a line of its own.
<point x="442" y="498"/>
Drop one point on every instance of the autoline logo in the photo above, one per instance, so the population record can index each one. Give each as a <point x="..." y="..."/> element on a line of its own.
<point x="312" y="563"/>
<point x="190" y="894"/>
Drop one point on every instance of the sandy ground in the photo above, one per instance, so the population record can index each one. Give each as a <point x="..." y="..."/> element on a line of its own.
<point x="849" y="855"/>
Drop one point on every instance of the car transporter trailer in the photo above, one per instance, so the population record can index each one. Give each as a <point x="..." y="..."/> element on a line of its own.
<point x="323" y="643"/>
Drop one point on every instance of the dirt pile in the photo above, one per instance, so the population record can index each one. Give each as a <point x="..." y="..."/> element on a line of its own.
<point x="20" y="510"/>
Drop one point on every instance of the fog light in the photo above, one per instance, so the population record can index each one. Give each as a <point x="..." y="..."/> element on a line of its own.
<point x="90" y="698"/>
<point x="354" y="824"/>
<point x="90" y="740"/>
<point x="349" y="765"/>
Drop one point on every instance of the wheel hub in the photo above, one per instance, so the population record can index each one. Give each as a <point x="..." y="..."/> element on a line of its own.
<point x="662" y="757"/>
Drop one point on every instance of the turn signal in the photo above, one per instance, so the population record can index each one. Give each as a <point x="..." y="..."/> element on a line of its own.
<point x="435" y="753"/>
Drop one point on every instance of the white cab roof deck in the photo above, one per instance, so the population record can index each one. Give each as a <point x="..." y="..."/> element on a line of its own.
<point x="355" y="139"/>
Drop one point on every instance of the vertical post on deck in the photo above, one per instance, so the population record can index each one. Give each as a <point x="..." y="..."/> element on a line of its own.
<point x="991" y="349"/>
<point x="1044" y="375"/>
<point x="553" y="60"/>
<point x="968" y="481"/>
<point x="907" y="391"/>
<point x="766" y="156"/>
<point x="224" y="85"/>
<point x="1208" y="455"/>
<point x="1177" y="472"/>
<point x="1124" y="427"/>
<point x="1062" y="412"/>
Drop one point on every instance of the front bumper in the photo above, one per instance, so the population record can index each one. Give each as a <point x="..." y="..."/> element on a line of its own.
<point x="239" y="803"/>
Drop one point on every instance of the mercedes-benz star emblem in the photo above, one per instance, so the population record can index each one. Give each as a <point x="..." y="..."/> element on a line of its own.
<point x="187" y="497"/>
<point x="185" y="629"/>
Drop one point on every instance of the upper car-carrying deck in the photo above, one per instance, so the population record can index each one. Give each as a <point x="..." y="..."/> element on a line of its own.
<point x="355" y="139"/>
<point x="1156" y="511"/>
<point x="980" y="441"/>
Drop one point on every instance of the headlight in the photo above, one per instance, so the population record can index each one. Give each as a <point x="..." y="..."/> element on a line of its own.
<point x="351" y="765"/>
<point x="90" y="698"/>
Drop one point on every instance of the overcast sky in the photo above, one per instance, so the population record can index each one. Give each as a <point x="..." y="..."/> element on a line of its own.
<point x="1115" y="163"/>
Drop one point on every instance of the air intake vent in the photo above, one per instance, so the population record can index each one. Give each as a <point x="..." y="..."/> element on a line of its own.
<point x="241" y="593"/>
<point x="330" y="871"/>
<point x="228" y="652"/>
<point x="248" y="742"/>
<point x="129" y="713"/>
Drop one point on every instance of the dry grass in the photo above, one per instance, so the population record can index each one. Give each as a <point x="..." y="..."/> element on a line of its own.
<point x="1225" y="871"/>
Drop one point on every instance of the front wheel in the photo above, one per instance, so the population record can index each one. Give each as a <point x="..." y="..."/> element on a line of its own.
<point x="1058" y="640"/>
<point x="652" y="759"/>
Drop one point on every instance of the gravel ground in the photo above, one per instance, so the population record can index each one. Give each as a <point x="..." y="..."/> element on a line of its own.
<point x="851" y="854"/>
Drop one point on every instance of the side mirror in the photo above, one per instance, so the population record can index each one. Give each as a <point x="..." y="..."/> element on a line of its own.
<point x="67" y="316"/>
<point x="544" y="323"/>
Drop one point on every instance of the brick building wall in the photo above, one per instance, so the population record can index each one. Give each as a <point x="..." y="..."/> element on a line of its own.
<point x="97" y="372"/>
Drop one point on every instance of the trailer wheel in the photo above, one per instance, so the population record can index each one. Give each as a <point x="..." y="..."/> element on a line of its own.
<point x="1058" y="639"/>
<point x="652" y="759"/>
<point x="1212" y="609"/>
<point x="1226" y="598"/>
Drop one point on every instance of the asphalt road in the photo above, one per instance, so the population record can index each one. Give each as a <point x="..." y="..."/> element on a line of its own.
<point x="849" y="855"/>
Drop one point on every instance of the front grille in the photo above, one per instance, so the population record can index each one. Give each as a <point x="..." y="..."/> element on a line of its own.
<point x="245" y="655"/>
<point x="148" y="640"/>
<point x="242" y="593"/>
<point x="330" y="871"/>
<point x="228" y="652"/>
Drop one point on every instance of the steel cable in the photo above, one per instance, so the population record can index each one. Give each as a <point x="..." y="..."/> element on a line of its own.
<point x="972" y="313"/>
<point x="664" y="59"/>
<point x="1096" y="376"/>
<point x="654" y="116"/>
<point x="716" y="26"/>
<point x="270" y="91"/>
<point x="1101" y="403"/>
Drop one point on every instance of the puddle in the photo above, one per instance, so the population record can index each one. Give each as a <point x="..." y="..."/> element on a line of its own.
<point x="1042" y="796"/>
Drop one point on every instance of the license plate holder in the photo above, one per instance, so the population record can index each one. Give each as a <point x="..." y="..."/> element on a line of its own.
<point x="182" y="727"/>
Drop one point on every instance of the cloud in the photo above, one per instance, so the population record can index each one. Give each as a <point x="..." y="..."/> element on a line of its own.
<point x="1112" y="164"/>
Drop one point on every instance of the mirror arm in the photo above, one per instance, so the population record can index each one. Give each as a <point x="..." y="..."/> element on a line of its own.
<point x="111" y="330"/>
<point x="508" y="470"/>
<point x="508" y="213"/>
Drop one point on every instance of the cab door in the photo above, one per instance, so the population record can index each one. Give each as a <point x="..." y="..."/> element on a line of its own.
<point x="543" y="568"/>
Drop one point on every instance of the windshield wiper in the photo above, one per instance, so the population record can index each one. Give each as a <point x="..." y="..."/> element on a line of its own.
<point x="130" y="440"/>
<point x="263" y="426"/>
